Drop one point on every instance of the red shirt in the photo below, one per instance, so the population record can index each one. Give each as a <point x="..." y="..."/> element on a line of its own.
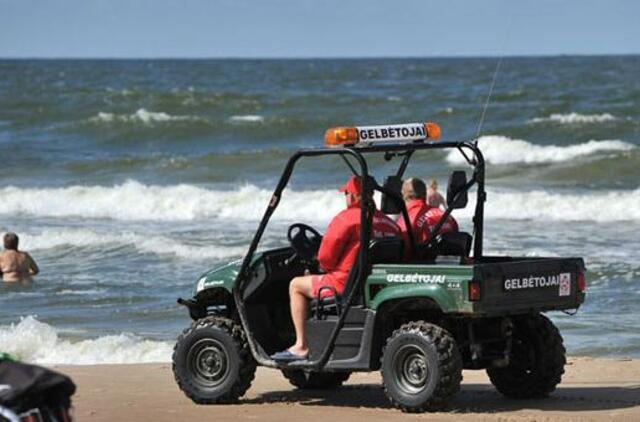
<point x="340" y="245"/>
<point x="424" y="217"/>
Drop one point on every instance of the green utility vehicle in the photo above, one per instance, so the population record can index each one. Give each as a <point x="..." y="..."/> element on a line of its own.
<point x="419" y="313"/>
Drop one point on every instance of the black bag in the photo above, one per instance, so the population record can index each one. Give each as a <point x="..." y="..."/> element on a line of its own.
<point x="36" y="392"/>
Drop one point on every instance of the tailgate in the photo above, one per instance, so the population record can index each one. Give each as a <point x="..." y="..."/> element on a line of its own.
<point x="529" y="285"/>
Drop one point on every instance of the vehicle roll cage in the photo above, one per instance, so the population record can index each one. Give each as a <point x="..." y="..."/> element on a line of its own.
<point x="357" y="275"/>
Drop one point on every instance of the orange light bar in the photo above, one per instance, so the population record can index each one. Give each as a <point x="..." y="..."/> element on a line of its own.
<point x="341" y="136"/>
<point x="433" y="130"/>
<point x="409" y="132"/>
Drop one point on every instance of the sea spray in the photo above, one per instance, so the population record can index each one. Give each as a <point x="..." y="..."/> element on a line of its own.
<point x="134" y="201"/>
<point x="34" y="341"/>
<point x="575" y="118"/>
<point x="140" y="116"/>
<point x="159" y="245"/>
<point x="504" y="150"/>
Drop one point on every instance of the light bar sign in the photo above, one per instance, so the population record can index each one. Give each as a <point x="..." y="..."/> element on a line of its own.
<point x="392" y="133"/>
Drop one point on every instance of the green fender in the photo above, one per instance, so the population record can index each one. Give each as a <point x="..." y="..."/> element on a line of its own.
<point x="446" y="285"/>
<point x="445" y="301"/>
<point x="222" y="277"/>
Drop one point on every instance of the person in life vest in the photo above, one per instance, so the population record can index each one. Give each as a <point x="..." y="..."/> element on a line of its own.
<point x="423" y="217"/>
<point x="337" y="254"/>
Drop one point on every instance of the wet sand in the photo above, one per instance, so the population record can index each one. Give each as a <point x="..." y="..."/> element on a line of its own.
<point x="592" y="389"/>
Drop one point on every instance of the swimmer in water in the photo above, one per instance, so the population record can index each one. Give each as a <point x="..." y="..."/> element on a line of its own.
<point x="15" y="265"/>
<point x="434" y="198"/>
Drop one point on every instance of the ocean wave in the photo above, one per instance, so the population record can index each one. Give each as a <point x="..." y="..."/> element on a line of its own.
<point x="141" y="116"/>
<point x="36" y="342"/>
<point x="541" y="205"/>
<point x="133" y="201"/>
<point x="504" y="150"/>
<point x="575" y="118"/>
<point x="248" y="118"/>
<point x="159" y="245"/>
<point x="74" y="292"/>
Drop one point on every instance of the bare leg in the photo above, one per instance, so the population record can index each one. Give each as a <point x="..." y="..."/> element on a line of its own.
<point x="300" y="290"/>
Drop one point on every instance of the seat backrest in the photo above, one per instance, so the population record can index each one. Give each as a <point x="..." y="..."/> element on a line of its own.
<point x="447" y="244"/>
<point x="454" y="244"/>
<point x="386" y="250"/>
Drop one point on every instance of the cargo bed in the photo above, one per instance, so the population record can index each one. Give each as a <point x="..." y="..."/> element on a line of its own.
<point x="512" y="285"/>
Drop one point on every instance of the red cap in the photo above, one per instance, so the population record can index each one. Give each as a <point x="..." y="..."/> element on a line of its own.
<point x="354" y="186"/>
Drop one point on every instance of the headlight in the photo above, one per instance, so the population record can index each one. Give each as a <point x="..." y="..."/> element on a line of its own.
<point x="200" y="285"/>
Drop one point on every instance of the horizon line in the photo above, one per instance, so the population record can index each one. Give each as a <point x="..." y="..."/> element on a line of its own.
<point x="364" y="57"/>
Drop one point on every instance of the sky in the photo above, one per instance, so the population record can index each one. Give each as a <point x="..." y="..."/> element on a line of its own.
<point x="316" y="28"/>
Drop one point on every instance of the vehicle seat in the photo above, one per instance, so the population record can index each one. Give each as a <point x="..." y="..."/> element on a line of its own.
<point x="447" y="245"/>
<point x="454" y="244"/>
<point x="381" y="251"/>
<point x="386" y="250"/>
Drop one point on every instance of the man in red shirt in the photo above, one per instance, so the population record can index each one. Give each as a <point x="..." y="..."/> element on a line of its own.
<point x="422" y="217"/>
<point x="337" y="254"/>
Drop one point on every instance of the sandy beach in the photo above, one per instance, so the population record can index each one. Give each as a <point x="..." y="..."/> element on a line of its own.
<point x="592" y="389"/>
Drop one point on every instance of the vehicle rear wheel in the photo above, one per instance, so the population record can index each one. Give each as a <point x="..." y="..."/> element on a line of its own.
<point x="536" y="363"/>
<point x="306" y="380"/>
<point x="212" y="362"/>
<point x="421" y="367"/>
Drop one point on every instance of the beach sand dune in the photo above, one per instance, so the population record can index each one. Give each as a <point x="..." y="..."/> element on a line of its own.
<point x="592" y="389"/>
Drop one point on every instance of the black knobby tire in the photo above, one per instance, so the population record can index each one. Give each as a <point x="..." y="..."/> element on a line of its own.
<point x="315" y="380"/>
<point x="212" y="362"/>
<point x="421" y="367"/>
<point x="536" y="363"/>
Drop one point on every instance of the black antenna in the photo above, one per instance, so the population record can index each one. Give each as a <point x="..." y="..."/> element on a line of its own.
<point x="486" y="103"/>
<point x="493" y="81"/>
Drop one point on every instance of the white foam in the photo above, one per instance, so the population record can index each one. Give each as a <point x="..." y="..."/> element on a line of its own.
<point x="248" y="118"/>
<point x="135" y="201"/>
<point x="541" y="206"/>
<point x="504" y="150"/>
<point x="140" y="116"/>
<point x="575" y="118"/>
<point x="159" y="245"/>
<point x="36" y="342"/>
<point x="73" y="292"/>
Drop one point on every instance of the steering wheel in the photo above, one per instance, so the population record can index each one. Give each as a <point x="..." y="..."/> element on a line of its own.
<point x="305" y="241"/>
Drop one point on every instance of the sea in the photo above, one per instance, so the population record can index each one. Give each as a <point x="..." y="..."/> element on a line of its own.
<point x="127" y="179"/>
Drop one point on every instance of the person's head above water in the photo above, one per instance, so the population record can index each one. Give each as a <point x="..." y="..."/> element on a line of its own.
<point x="11" y="241"/>
<point x="413" y="188"/>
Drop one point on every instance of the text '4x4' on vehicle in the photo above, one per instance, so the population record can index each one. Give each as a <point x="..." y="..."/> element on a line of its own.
<point x="419" y="313"/>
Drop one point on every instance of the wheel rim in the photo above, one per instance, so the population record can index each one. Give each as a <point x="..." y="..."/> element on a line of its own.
<point x="523" y="356"/>
<point x="208" y="362"/>
<point x="411" y="371"/>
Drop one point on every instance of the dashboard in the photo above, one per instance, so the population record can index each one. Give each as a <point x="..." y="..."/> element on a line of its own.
<point x="270" y="275"/>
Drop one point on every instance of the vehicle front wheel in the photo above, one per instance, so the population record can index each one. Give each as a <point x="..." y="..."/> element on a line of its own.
<point x="212" y="362"/>
<point x="421" y="367"/>
<point x="306" y="380"/>
<point x="536" y="362"/>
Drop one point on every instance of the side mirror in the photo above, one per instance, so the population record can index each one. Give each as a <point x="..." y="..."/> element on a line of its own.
<point x="390" y="205"/>
<point x="457" y="182"/>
